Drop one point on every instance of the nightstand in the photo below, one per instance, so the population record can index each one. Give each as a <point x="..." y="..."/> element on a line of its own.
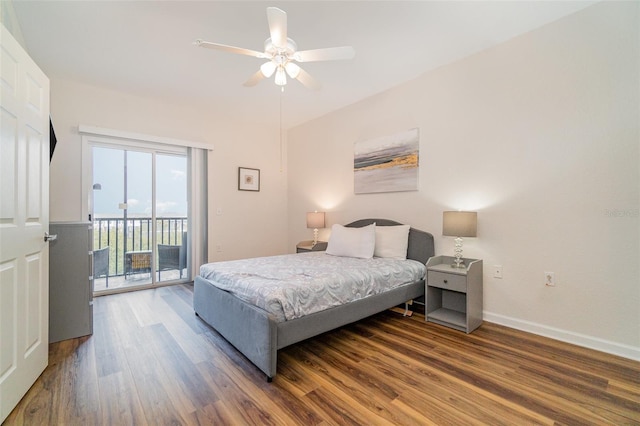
<point x="454" y="295"/>
<point x="307" y="246"/>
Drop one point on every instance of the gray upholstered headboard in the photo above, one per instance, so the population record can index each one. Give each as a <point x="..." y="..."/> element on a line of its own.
<point x="421" y="246"/>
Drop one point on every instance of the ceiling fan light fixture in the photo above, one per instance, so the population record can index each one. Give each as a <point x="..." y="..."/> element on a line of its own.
<point x="268" y="68"/>
<point x="281" y="77"/>
<point x="292" y="69"/>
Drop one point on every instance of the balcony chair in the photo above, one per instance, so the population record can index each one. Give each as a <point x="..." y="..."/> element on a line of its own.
<point x="101" y="263"/>
<point x="172" y="256"/>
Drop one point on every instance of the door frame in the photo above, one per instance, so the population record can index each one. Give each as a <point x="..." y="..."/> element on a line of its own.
<point x="134" y="142"/>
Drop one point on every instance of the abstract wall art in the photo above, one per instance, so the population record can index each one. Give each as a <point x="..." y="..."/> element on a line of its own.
<point x="387" y="164"/>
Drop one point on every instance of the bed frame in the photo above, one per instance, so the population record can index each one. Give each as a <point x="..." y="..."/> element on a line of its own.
<point x="257" y="334"/>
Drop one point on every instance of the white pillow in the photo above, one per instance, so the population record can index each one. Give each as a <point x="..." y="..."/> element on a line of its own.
<point x="352" y="242"/>
<point x="392" y="241"/>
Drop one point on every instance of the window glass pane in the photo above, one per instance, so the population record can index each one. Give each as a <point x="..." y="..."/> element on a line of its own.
<point x="171" y="186"/>
<point x="139" y="184"/>
<point x="108" y="180"/>
<point x="171" y="216"/>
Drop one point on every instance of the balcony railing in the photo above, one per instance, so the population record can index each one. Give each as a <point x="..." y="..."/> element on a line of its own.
<point x="134" y="235"/>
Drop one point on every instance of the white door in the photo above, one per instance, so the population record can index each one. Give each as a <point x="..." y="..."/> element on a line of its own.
<point x="24" y="219"/>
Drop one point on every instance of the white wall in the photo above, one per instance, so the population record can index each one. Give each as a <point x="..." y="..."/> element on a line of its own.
<point x="10" y="21"/>
<point x="251" y="224"/>
<point x="540" y="136"/>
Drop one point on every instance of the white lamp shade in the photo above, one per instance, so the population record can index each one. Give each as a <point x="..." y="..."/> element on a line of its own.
<point x="292" y="69"/>
<point x="459" y="224"/>
<point x="268" y="68"/>
<point x="281" y="76"/>
<point x="315" y="220"/>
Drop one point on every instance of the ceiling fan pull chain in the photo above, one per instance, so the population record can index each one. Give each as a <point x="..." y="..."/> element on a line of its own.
<point x="281" y="139"/>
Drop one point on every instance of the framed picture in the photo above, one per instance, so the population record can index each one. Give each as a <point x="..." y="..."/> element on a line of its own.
<point x="248" y="179"/>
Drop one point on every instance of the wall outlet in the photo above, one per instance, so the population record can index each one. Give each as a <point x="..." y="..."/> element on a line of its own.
<point x="219" y="248"/>
<point x="550" y="279"/>
<point x="497" y="271"/>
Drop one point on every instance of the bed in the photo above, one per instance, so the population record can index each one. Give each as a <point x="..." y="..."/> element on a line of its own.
<point x="259" y="333"/>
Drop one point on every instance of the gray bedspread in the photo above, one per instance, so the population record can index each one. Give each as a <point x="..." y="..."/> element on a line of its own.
<point x="294" y="285"/>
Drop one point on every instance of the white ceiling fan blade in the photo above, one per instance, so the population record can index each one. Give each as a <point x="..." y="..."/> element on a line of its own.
<point x="230" y="49"/>
<point x="254" y="79"/>
<point x="327" y="54"/>
<point x="277" y="26"/>
<point x="310" y="82"/>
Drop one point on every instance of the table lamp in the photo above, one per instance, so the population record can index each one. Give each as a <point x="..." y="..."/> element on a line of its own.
<point x="315" y="220"/>
<point x="459" y="224"/>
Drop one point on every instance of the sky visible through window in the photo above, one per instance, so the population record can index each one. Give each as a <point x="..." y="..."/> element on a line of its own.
<point x="171" y="183"/>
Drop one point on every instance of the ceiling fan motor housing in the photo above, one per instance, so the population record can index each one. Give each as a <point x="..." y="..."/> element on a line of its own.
<point x="288" y="50"/>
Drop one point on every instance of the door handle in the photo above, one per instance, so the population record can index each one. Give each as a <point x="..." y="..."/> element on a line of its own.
<point x="48" y="237"/>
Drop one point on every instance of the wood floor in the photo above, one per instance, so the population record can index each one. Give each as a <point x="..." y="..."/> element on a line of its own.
<point x="151" y="361"/>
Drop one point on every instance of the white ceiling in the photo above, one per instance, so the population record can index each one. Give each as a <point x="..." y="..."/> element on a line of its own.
<point x="145" y="47"/>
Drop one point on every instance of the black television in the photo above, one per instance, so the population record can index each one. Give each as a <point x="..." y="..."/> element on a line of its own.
<point x="52" y="140"/>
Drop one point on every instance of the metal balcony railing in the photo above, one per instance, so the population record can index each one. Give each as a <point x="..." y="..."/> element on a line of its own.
<point x="134" y="235"/>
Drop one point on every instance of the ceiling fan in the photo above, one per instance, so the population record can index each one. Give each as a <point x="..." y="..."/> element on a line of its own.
<point x="282" y="54"/>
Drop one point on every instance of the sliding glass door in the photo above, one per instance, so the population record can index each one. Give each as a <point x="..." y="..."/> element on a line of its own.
<point x="139" y="217"/>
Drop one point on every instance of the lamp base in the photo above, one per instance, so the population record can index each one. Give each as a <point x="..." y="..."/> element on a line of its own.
<point x="458" y="261"/>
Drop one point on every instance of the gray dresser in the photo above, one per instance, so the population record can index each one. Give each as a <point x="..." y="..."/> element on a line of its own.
<point x="70" y="281"/>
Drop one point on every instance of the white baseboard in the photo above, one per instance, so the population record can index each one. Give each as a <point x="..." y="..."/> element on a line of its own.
<point x="590" y="342"/>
